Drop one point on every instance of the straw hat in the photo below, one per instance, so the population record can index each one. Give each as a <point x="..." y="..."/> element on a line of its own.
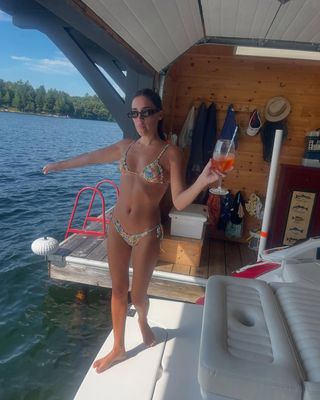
<point x="277" y="109"/>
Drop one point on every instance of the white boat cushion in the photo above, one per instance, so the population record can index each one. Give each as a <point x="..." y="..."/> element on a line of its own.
<point x="126" y="380"/>
<point x="301" y="308"/>
<point x="245" y="352"/>
<point x="304" y="274"/>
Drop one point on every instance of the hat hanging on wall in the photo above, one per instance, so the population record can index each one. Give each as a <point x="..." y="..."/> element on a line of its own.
<point x="254" y="123"/>
<point x="277" y="109"/>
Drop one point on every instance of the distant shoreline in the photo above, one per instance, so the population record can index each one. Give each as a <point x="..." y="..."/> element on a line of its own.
<point x="22" y="97"/>
<point x="13" y="110"/>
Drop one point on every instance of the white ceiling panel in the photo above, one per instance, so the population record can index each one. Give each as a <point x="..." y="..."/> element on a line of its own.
<point x="159" y="30"/>
<point x="297" y="21"/>
<point x="238" y="18"/>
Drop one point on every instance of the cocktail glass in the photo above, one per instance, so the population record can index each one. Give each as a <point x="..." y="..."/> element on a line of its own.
<point x="222" y="161"/>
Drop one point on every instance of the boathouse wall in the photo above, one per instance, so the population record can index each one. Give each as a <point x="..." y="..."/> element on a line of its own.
<point x="213" y="73"/>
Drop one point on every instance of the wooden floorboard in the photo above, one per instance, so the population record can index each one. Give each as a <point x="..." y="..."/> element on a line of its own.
<point x="203" y="269"/>
<point x="164" y="266"/>
<point x="99" y="252"/>
<point x="232" y="257"/>
<point x="181" y="269"/>
<point x="73" y="242"/>
<point x="87" y="247"/>
<point x="218" y="257"/>
<point x="248" y="256"/>
<point x="175" y="291"/>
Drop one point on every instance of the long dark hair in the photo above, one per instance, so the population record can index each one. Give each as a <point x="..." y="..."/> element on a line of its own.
<point x="157" y="102"/>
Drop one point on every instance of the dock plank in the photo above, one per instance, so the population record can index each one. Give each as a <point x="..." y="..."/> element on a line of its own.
<point x="88" y="245"/>
<point x="72" y="243"/>
<point x="100" y="276"/>
<point x="181" y="269"/>
<point x="164" y="267"/>
<point x="99" y="252"/>
<point x="84" y="274"/>
<point x="248" y="256"/>
<point x="200" y="272"/>
<point x="88" y="265"/>
<point x="232" y="257"/>
<point x="217" y="264"/>
<point x="203" y="269"/>
<point x="173" y="290"/>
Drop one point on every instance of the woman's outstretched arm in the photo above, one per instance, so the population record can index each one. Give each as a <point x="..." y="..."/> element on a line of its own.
<point x="181" y="196"/>
<point x="101" y="156"/>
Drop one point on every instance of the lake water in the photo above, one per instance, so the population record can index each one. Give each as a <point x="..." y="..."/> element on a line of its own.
<point x="47" y="339"/>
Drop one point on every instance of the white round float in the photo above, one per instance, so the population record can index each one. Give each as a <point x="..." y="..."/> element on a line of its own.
<point x="44" y="246"/>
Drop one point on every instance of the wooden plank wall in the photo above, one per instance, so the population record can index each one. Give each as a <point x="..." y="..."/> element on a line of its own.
<point x="212" y="73"/>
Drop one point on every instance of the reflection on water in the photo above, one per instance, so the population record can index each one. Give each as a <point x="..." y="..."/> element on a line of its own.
<point x="47" y="339"/>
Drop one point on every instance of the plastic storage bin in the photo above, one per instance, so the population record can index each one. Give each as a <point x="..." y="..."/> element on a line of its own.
<point x="189" y="222"/>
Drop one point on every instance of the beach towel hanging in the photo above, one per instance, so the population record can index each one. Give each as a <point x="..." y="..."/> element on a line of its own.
<point x="267" y="134"/>
<point x="195" y="162"/>
<point x="185" y="136"/>
<point x="210" y="136"/>
<point x="230" y="126"/>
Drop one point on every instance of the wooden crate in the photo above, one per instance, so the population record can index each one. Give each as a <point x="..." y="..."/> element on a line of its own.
<point x="180" y="250"/>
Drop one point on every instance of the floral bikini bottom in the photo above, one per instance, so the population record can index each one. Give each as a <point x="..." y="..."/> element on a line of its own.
<point x="133" y="239"/>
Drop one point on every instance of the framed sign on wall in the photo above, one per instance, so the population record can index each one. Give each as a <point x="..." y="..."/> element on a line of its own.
<point x="299" y="217"/>
<point x="296" y="208"/>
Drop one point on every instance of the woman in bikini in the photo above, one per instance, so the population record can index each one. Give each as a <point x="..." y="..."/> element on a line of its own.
<point x="148" y="165"/>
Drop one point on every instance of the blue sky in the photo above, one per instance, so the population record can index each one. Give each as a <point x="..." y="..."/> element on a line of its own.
<point x="29" y="55"/>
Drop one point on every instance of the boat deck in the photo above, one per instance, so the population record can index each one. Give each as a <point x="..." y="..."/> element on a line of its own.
<point x="82" y="259"/>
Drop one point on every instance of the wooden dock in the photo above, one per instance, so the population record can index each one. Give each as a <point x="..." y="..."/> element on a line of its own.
<point x="82" y="259"/>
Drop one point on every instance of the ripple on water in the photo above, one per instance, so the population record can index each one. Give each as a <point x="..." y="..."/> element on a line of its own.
<point x="47" y="339"/>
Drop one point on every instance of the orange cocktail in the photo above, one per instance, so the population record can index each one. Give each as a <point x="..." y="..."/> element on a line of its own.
<point x="223" y="164"/>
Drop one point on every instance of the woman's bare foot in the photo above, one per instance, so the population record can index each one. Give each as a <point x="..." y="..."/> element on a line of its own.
<point x="148" y="336"/>
<point x="107" y="361"/>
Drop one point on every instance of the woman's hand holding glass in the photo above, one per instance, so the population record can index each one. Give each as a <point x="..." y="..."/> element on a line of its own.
<point x="222" y="162"/>
<point x="209" y="176"/>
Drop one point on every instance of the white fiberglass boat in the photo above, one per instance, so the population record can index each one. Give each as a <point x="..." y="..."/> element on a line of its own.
<point x="253" y="339"/>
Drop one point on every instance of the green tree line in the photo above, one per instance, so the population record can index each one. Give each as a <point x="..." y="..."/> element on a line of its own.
<point x="23" y="97"/>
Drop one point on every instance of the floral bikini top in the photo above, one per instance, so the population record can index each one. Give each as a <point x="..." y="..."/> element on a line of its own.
<point x="152" y="173"/>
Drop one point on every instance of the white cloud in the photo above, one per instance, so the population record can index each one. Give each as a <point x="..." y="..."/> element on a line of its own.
<point x="57" y="66"/>
<point x="5" y="17"/>
<point x="54" y="66"/>
<point x="18" y="58"/>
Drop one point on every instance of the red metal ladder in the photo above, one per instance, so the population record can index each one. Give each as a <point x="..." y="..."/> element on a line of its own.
<point x="103" y="218"/>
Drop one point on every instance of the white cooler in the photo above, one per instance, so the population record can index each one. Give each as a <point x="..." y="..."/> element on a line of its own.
<point x="189" y="222"/>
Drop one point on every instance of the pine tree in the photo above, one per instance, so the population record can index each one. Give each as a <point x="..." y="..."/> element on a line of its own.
<point x="40" y="98"/>
<point x="22" y="96"/>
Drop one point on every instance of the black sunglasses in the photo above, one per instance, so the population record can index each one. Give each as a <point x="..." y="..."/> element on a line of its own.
<point x="143" y="114"/>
